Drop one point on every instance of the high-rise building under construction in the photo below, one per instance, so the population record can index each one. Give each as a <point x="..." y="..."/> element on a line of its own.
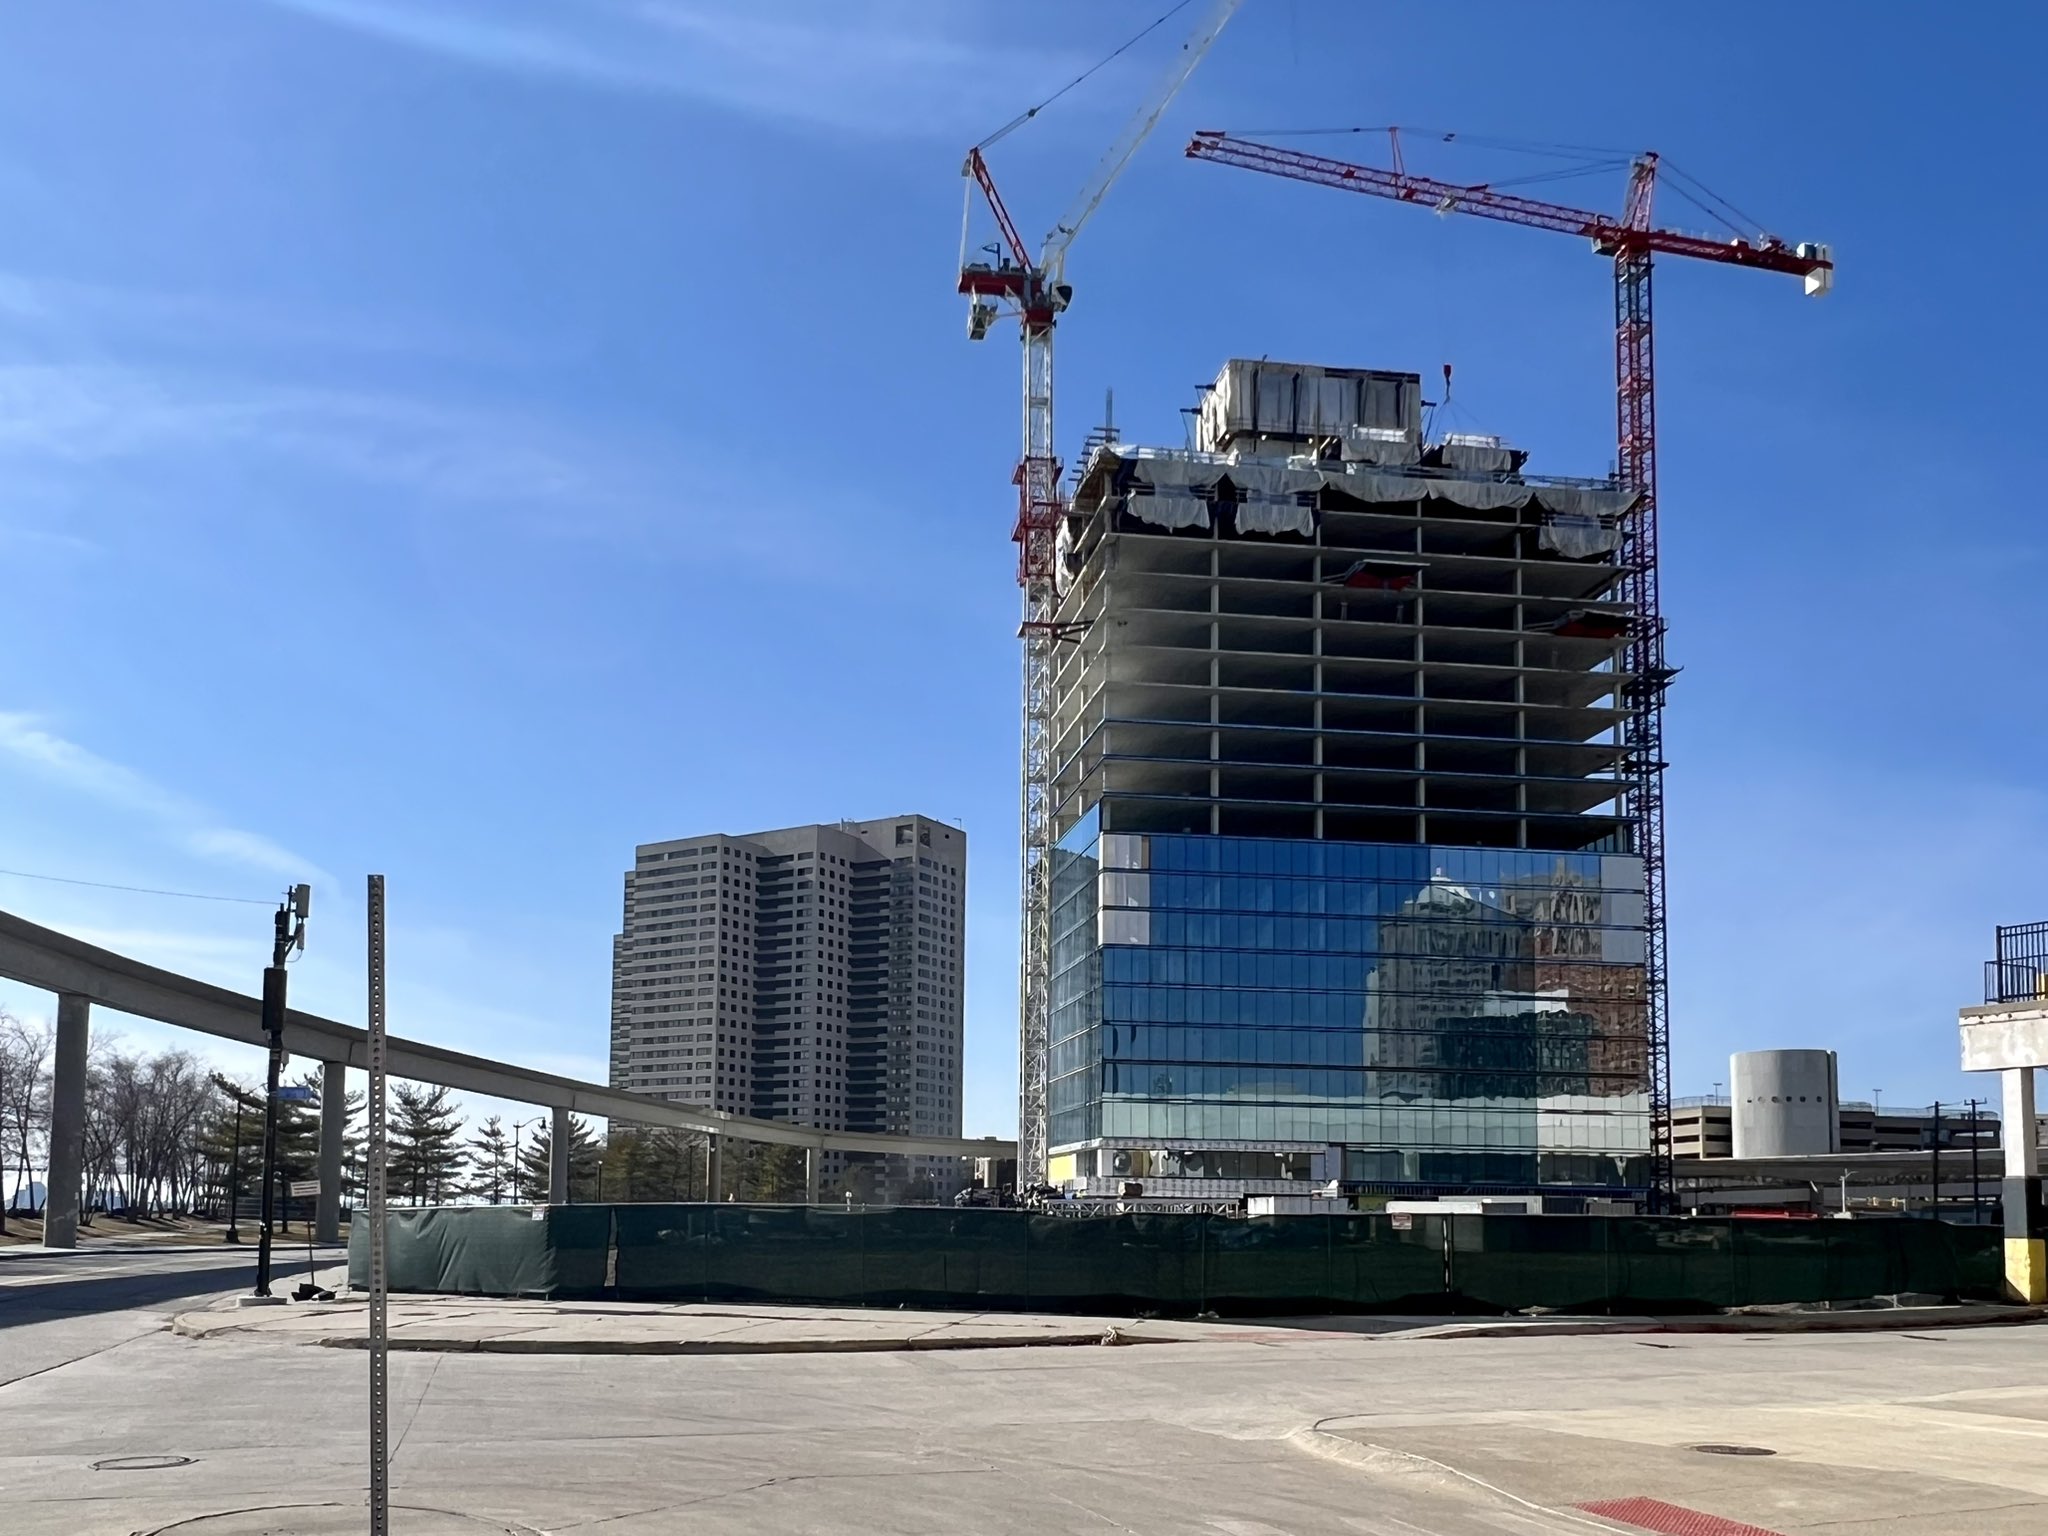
<point x="1345" y="880"/>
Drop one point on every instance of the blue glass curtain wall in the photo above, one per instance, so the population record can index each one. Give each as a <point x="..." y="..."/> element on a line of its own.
<point x="1482" y="1004"/>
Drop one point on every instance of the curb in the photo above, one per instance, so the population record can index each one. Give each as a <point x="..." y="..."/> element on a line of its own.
<point x="1801" y="1322"/>
<point x="517" y="1345"/>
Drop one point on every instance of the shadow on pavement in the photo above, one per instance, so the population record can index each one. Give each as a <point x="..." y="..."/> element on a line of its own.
<point x="36" y="1303"/>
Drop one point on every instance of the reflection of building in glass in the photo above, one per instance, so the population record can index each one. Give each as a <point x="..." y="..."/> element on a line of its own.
<point x="1345" y="887"/>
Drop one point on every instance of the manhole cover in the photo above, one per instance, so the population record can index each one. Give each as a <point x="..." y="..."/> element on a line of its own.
<point x="140" y="1463"/>
<point x="1734" y="1450"/>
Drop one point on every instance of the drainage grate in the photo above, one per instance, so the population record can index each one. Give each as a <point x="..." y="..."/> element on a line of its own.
<point x="140" y="1463"/>
<point x="1670" y="1519"/>
<point x="1733" y="1450"/>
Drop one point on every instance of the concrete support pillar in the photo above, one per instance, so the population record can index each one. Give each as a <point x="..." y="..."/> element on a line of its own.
<point x="2026" y="1226"/>
<point x="64" y="1198"/>
<point x="714" y="1149"/>
<point x="333" y="1122"/>
<point x="2017" y="1123"/>
<point x="813" y="1161"/>
<point x="558" y="1159"/>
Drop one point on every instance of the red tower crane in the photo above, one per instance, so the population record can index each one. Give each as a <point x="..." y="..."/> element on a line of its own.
<point x="1631" y="241"/>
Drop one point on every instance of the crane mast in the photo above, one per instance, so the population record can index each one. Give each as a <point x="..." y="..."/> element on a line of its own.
<point x="1631" y="241"/>
<point x="1035" y="290"/>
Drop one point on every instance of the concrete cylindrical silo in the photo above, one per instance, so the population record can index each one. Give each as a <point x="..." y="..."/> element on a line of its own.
<point x="1784" y="1103"/>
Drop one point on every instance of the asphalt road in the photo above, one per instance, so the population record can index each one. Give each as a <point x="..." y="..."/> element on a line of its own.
<point x="1872" y="1435"/>
<point x="57" y="1308"/>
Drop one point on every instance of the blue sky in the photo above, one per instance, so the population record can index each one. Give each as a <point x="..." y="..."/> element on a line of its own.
<point x="465" y="438"/>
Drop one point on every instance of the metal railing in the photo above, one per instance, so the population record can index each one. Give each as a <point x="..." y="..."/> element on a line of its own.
<point x="1950" y="1112"/>
<point x="2019" y="973"/>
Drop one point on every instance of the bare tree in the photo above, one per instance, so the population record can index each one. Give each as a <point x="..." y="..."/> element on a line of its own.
<point x="25" y="1051"/>
<point x="143" y="1121"/>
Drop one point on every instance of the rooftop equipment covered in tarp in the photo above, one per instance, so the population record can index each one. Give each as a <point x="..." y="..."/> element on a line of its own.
<point x="1299" y="403"/>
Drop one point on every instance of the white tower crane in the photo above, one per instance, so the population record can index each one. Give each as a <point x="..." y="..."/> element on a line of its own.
<point x="1037" y="292"/>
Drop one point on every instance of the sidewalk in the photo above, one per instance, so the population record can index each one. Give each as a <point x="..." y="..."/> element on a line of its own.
<point x="487" y="1325"/>
<point x="472" y="1324"/>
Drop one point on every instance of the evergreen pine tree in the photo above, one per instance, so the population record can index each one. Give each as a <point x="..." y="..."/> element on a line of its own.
<point x="425" y="1157"/>
<point x="239" y="1171"/>
<point x="772" y="1174"/>
<point x="490" y="1163"/>
<point x="585" y="1156"/>
<point x="671" y="1165"/>
<point x="622" y="1169"/>
<point x="298" y="1150"/>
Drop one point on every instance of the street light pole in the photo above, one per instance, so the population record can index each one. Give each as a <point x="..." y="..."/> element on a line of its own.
<point x="289" y="934"/>
<point x="517" y="1127"/>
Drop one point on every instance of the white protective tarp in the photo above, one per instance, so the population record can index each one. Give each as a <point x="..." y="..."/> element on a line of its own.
<point x="1378" y="445"/>
<point x="1365" y="484"/>
<point x="1576" y="535"/>
<point x="1273" y="479"/>
<point x="1169" y="511"/>
<point x="1173" y="474"/>
<point x="1579" y="520"/>
<point x="1274" y="517"/>
<point x="1586" y="500"/>
<point x="1481" y="495"/>
<point x="1482" y="458"/>
<point x="1296" y="400"/>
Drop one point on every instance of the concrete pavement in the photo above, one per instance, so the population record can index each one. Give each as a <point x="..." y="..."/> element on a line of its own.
<point x="488" y="1325"/>
<point x="1277" y="1432"/>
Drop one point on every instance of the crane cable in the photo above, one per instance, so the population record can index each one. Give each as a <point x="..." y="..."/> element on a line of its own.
<point x="1030" y="112"/>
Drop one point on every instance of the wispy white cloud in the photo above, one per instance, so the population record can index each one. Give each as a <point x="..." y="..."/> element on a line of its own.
<point x="886" y="69"/>
<point x="67" y="316"/>
<point x="186" y="824"/>
<point x="84" y="413"/>
<point x="45" y="541"/>
<point x="71" y="765"/>
<point x="221" y="957"/>
<point x="529" y="474"/>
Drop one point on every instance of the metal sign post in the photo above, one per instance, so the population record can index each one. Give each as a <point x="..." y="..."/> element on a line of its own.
<point x="374" y="1151"/>
<point x="299" y="1189"/>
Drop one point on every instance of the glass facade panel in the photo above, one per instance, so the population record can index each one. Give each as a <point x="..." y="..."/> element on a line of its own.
<point x="1450" y="1016"/>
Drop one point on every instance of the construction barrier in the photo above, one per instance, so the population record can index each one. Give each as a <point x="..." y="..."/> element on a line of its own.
<point x="1649" y="1264"/>
<point x="557" y="1252"/>
<point x="1015" y="1260"/>
<point x="1000" y="1260"/>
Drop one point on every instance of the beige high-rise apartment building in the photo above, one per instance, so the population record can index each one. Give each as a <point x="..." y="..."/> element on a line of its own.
<point x="810" y="974"/>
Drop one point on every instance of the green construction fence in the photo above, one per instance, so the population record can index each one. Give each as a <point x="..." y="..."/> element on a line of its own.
<point x="555" y="1252"/>
<point x="988" y="1260"/>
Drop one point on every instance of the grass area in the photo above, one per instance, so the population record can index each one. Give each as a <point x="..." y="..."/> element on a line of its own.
<point x="26" y="1229"/>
